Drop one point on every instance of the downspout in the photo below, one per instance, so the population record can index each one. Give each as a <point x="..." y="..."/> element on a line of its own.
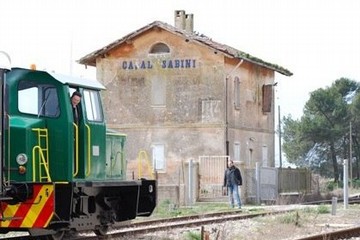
<point x="226" y="107"/>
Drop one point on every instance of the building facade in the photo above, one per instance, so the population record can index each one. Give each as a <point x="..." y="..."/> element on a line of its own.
<point x="178" y="95"/>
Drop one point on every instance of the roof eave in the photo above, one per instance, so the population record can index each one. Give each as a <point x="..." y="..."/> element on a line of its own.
<point x="273" y="67"/>
<point x="90" y="59"/>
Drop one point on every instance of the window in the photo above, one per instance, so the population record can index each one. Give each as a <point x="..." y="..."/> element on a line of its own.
<point x="92" y="105"/>
<point x="267" y="97"/>
<point x="38" y="99"/>
<point x="250" y="160"/>
<point x="265" y="162"/>
<point x="159" y="48"/>
<point x="237" y="93"/>
<point x="210" y="110"/>
<point x="237" y="151"/>
<point x="158" y="91"/>
<point x="158" y="157"/>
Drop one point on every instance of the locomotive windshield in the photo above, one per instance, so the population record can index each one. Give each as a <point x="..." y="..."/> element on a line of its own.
<point x="38" y="99"/>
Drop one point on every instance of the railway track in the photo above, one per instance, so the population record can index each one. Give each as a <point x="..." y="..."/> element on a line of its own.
<point x="141" y="227"/>
<point x="340" y="234"/>
<point x="135" y="230"/>
<point x="196" y="221"/>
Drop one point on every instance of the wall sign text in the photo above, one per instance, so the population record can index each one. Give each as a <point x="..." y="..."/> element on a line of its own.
<point x="165" y="64"/>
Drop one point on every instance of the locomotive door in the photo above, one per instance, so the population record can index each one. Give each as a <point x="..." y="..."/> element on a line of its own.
<point x="91" y="137"/>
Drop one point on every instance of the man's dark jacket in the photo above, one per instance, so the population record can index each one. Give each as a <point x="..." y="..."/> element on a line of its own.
<point x="232" y="176"/>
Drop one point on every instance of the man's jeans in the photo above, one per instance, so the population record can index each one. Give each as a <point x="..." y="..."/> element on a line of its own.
<point x="234" y="194"/>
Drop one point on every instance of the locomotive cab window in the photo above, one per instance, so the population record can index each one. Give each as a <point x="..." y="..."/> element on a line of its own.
<point x="92" y="105"/>
<point x="38" y="99"/>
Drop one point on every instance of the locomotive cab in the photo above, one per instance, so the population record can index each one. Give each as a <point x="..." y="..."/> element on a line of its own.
<point x="69" y="175"/>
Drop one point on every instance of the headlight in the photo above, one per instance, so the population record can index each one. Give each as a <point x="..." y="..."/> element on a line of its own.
<point x="21" y="159"/>
<point x="151" y="188"/>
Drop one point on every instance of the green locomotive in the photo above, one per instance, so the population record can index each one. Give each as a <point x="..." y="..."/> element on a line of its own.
<point x="58" y="175"/>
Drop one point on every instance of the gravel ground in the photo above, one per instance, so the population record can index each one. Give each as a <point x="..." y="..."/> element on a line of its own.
<point x="300" y="223"/>
<point x="303" y="222"/>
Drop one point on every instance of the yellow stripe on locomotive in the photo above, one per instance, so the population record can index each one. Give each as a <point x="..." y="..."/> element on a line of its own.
<point x="35" y="212"/>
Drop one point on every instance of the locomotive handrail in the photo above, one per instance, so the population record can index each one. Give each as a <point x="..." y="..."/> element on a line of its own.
<point x="42" y="159"/>
<point x="116" y="158"/>
<point x="88" y="169"/>
<point x="76" y="170"/>
<point x="8" y="145"/>
<point x="46" y="140"/>
<point x="145" y="156"/>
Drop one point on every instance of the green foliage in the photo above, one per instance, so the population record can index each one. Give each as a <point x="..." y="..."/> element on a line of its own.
<point x="320" y="139"/>
<point x="308" y="210"/>
<point x="322" y="209"/>
<point x="290" y="218"/>
<point x="193" y="236"/>
<point x="331" y="186"/>
<point x="356" y="183"/>
<point x="295" y="145"/>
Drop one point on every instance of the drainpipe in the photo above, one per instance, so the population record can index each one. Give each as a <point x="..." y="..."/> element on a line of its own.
<point x="226" y="107"/>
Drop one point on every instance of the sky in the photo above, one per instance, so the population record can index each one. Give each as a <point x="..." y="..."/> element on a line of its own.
<point x="317" y="40"/>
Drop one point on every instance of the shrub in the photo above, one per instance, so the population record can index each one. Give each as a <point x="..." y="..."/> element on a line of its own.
<point x="291" y="218"/>
<point x="322" y="209"/>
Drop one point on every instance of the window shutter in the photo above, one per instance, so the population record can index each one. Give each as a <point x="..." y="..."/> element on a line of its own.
<point x="267" y="97"/>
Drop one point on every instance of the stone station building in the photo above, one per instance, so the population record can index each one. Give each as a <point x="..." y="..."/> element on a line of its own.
<point x="179" y="96"/>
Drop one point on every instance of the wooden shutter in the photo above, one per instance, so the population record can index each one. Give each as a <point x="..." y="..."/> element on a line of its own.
<point x="267" y="97"/>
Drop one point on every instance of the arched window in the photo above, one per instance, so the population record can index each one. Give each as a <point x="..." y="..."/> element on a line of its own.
<point x="159" y="48"/>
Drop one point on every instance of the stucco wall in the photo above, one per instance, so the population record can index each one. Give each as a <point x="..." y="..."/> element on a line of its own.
<point x="248" y="125"/>
<point x="192" y="119"/>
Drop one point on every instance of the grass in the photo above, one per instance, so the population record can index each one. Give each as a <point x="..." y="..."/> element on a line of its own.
<point x="192" y="236"/>
<point x="167" y="209"/>
<point x="322" y="209"/>
<point x="298" y="218"/>
<point x="278" y="225"/>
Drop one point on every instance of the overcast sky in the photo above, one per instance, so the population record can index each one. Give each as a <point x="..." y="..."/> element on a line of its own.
<point x="319" y="41"/>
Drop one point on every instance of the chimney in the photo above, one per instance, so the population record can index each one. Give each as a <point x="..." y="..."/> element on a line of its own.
<point x="189" y="23"/>
<point x="184" y="21"/>
<point x="180" y="19"/>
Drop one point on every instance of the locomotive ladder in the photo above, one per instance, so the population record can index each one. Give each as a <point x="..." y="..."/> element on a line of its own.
<point x="43" y="155"/>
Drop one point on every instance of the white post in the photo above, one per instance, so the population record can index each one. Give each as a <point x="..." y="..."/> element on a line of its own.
<point x="257" y="182"/>
<point x="346" y="187"/>
<point x="190" y="182"/>
<point x="333" y="205"/>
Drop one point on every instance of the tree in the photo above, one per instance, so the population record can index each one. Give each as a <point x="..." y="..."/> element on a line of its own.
<point x="355" y="120"/>
<point x="320" y="139"/>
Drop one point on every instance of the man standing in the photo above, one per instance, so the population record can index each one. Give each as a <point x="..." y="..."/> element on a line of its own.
<point x="232" y="180"/>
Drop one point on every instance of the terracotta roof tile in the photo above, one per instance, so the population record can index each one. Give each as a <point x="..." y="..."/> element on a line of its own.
<point x="90" y="59"/>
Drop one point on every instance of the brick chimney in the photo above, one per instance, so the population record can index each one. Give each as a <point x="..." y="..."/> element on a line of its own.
<point x="184" y="21"/>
